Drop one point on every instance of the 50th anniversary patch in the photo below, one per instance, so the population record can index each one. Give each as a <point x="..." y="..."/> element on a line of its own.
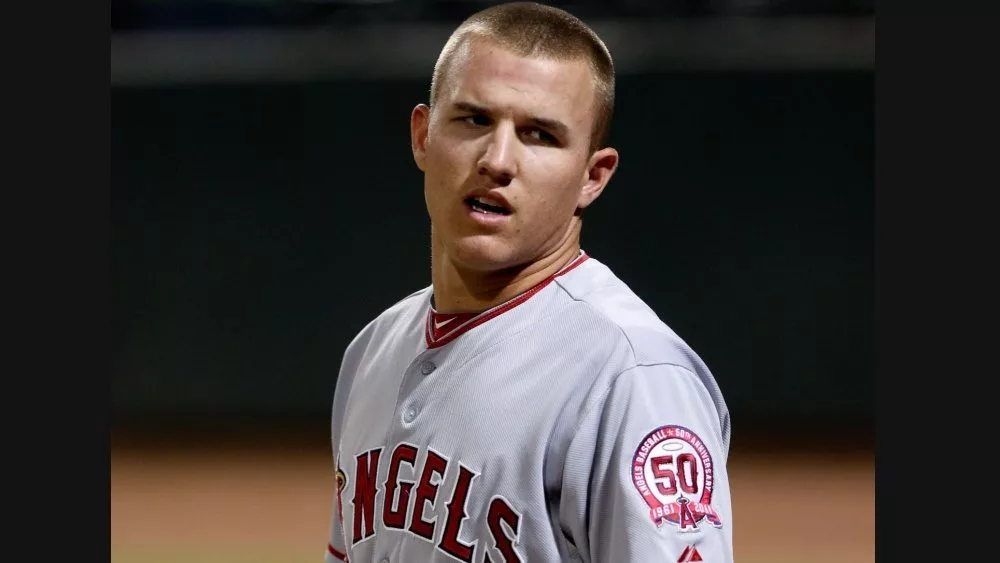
<point x="672" y="470"/>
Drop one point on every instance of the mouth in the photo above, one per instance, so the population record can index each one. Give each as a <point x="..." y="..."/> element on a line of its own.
<point x="486" y="206"/>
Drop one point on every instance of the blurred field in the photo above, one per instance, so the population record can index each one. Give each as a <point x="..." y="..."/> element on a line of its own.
<point x="241" y="504"/>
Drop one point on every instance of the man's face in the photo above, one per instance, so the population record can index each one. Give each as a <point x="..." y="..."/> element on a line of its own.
<point x="505" y="155"/>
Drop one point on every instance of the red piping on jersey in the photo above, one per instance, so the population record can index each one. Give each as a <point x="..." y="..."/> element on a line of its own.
<point x="496" y="311"/>
<point x="333" y="551"/>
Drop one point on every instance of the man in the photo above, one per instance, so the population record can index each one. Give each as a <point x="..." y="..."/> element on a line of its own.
<point x="527" y="406"/>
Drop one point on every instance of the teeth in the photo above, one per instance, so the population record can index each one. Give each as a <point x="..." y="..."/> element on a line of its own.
<point x="482" y="200"/>
<point x="485" y="205"/>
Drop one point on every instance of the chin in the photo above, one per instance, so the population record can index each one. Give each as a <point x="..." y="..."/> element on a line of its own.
<point x="483" y="253"/>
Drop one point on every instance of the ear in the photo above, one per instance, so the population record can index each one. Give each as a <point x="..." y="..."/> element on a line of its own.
<point x="419" y="120"/>
<point x="600" y="168"/>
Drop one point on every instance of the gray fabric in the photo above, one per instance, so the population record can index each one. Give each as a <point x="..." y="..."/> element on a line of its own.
<point x="546" y="407"/>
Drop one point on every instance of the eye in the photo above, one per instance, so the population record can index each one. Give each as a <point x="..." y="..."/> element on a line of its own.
<point x="476" y="119"/>
<point x="543" y="136"/>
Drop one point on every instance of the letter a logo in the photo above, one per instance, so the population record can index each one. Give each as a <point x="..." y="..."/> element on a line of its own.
<point x="686" y="518"/>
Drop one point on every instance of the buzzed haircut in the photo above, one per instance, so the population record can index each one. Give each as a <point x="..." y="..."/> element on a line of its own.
<point x="528" y="29"/>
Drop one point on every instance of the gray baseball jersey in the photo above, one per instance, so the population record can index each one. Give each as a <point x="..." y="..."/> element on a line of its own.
<point x="568" y="424"/>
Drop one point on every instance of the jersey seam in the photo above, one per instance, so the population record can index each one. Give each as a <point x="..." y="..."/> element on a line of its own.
<point x="602" y="401"/>
<point x="602" y="315"/>
<point x="631" y="347"/>
<point x="612" y="380"/>
<point x="703" y="391"/>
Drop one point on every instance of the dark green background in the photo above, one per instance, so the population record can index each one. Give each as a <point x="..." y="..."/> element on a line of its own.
<point x="257" y="227"/>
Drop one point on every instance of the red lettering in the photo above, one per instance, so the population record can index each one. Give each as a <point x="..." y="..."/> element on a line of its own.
<point x="456" y="514"/>
<point x="499" y="512"/>
<point x="686" y="518"/>
<point x="427" y="491"/>
<point x="687" y="471"/>
<point x="396" y="518"/>
<point x="365" y="488"/>
<point x="660" y="471"/>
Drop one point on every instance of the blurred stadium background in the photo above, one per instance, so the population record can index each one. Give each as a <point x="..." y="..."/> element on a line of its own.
<point x="265" y="207"/>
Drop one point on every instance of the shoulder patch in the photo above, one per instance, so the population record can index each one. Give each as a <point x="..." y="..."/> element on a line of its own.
<point x="672" y="470"/>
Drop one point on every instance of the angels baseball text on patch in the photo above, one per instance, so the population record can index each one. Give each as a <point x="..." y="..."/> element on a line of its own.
<point x="672" y="470"/>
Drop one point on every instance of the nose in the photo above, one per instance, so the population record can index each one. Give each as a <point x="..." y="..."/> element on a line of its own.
<point x="498" y="161"/>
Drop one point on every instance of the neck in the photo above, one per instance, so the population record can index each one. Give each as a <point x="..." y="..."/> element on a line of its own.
<point x="460" y="290"/>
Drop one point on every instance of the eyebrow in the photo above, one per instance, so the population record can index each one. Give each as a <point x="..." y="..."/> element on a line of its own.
<point x="552" y="125"/>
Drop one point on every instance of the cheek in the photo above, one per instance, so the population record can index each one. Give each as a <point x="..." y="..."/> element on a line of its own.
<point x="446" y="165"/>
<point x="436" y="194"/>
<point x="565" y="190"/>
<point x="442" y="180"/>
<point x="551" y="209"/>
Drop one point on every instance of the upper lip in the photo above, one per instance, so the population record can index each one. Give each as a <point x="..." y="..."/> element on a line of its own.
<point x="492" y="197"/>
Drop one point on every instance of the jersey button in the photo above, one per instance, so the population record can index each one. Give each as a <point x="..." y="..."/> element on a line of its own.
<point x="427" y="367"/>
<point x="410" y="414"/>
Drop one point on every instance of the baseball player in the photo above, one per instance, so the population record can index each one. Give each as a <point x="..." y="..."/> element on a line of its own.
<point x="527" y="405"/>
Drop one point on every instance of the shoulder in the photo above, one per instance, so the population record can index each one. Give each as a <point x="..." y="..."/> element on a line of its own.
<point x="645" y="357"/>
<point x="403" y="313"/>
<point x="647" y="354"/>
<point x="599" y="298"/>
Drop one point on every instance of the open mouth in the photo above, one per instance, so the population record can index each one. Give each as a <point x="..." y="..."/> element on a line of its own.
<point x="480" y="205"/>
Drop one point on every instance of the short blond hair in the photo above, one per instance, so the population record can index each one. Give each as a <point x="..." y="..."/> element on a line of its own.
<point x="529" y="29"/>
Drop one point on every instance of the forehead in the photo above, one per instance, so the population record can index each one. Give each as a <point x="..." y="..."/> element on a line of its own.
<point x="485" y="73"/>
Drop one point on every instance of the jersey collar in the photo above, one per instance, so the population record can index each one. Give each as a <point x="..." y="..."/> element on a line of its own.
<point x="442" y="328"/>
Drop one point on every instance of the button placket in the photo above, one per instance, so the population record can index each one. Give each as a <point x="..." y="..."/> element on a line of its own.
<point x="413" y="378"/>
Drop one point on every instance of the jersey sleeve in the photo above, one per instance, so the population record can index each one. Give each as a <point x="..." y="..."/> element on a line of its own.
<point x="645" y="476"/>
